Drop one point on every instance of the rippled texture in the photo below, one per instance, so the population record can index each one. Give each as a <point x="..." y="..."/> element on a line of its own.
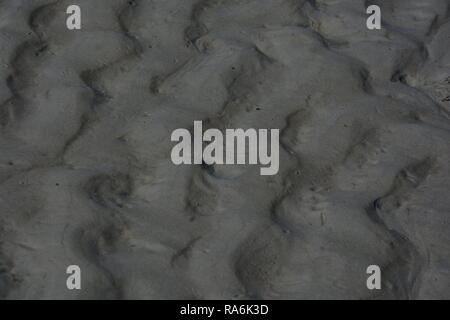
<point x="86" y="176"/>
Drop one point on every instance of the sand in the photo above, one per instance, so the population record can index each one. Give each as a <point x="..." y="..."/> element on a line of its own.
<point x="86" y="176"/>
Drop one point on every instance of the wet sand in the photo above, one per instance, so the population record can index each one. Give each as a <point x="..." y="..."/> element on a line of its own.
<point x="86" y="176"/>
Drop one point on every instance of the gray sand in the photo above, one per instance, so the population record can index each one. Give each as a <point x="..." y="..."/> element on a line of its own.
<point x="86" y="176"/>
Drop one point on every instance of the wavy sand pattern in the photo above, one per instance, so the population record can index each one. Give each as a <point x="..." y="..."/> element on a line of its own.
<point x="85" y="170"/>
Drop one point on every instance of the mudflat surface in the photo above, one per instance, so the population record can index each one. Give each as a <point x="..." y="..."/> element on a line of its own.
<point x="86" y="176"/>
